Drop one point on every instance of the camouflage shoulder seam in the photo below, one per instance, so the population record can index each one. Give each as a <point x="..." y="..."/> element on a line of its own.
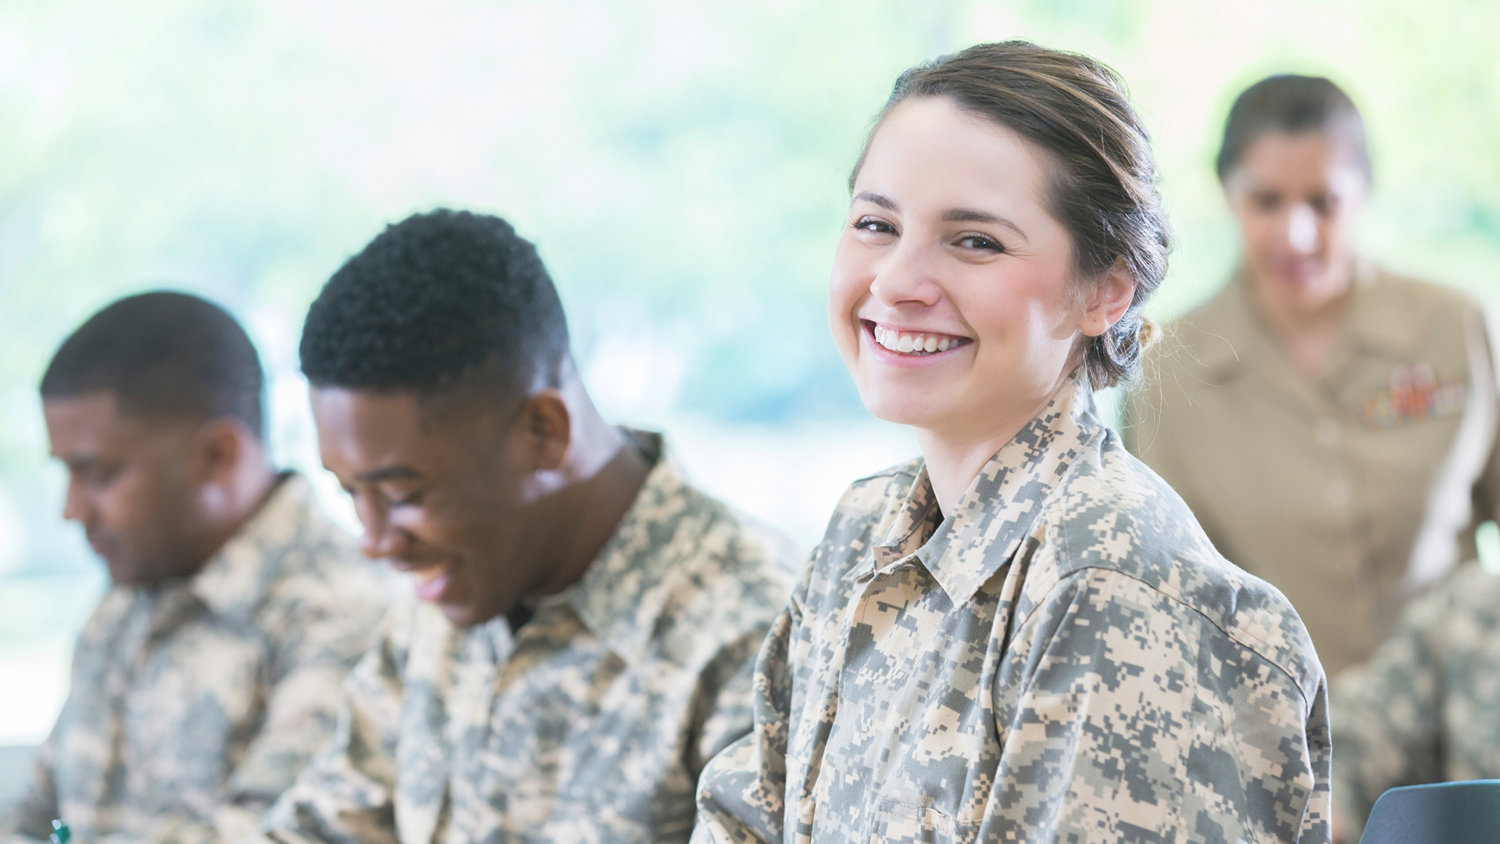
<point x="1249" y="643"/>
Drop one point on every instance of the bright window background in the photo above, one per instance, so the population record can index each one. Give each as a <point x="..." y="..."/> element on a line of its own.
<point x="680" y="164"/>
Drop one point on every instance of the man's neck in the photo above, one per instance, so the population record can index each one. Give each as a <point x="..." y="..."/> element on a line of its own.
<point x="246" y="494"/>
<point x="591" y="508"/>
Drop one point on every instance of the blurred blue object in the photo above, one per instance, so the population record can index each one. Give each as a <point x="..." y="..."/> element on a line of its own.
<point x="1437" y="813"/>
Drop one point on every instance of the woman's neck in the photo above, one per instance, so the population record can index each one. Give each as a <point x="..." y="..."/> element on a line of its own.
<point x="1307" y="329"/>
<point x="954" y="458"/>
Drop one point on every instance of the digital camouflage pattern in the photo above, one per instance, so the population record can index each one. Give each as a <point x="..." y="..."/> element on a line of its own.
<point x="1065" y="659"/>
<point x="1424" y="708"/>
<point x="590" y="724"/>
<point x="194" y="704"/>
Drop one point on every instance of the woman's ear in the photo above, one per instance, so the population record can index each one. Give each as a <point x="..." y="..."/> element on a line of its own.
<point x="1107" y="299"/>
<point x="548" y="428"/>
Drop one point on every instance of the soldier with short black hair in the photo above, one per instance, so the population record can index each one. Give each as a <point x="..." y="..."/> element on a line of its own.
<point x="588" y="619"/>
<point x="206" y="676"/>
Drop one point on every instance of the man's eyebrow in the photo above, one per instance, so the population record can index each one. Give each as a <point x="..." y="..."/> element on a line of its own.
<point x="387" y="473"/>
<point x="79" y="464"/>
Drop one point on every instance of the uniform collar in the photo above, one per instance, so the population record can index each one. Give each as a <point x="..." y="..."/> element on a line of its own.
<point x="1239" y="339"/>
<point x="625" y="589"/>
<point x="237" y="577"/>
<point x="997" y="512"/>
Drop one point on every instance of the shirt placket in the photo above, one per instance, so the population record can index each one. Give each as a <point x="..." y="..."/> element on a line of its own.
<point x="138" y="703"/>
<point x="470" y="736"/>
<point x="865" y="673"/>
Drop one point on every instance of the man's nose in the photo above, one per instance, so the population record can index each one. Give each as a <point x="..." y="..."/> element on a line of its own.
<point x="77" y="505"/>
<point x="380" y="538"/>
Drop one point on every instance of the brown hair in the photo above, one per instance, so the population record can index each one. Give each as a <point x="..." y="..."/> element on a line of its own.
<point x="1103" y="188"/>
<point x="1292" y="104"/>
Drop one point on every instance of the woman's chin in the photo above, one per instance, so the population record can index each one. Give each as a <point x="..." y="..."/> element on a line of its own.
<point x="900" y="410"/>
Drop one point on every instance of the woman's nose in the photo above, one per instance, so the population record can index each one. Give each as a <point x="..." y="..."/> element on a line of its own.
<point x="1302" y="229"/>
<point x="906" y="277"/>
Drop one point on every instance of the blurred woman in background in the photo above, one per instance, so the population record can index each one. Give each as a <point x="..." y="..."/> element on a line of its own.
<point x="1331" y="424"/>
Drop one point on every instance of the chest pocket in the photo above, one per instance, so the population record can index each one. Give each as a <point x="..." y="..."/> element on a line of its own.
<point x="895" y="822"/>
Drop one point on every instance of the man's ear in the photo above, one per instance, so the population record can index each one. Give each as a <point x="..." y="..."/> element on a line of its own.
<point x="548" y="428"/>
<point x="1107" y="299"/>
<point x="219" y="449"/>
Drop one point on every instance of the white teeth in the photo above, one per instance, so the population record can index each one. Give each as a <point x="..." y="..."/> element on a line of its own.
<point x="913" y="343"/>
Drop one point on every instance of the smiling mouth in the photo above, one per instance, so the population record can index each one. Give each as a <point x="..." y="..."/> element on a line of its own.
<point x="913" y="343"/>
<point x="429" y="582"/>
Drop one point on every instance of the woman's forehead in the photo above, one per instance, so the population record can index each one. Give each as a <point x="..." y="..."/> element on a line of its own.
<point x="933" y="138"/>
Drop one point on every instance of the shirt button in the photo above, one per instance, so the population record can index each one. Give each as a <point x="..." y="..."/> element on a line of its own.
<point x="1328" y="433"/>
<point x="1338" y="493"/>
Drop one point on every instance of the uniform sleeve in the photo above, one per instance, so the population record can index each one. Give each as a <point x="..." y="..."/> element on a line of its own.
<point x="1386" y="713"/>
<point x="742" y="792"/>
<point x="310" y="666"/>
<point x="1136" y="718"/>
<point x="726" y="704"/>
<point x="345" y="794"/>
<point x="31" y="819"/>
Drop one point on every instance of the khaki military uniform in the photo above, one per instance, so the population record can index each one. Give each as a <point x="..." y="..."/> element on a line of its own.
<point x="1064" y="658"/>
<point x="588" y="724"/>
<point x="194" y="704"/>
<point x="1351" y="491"/>
<point x="1426" y="706"/>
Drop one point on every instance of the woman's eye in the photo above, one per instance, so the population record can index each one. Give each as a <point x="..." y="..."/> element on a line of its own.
<point x="874" y="224"/>
<point x="1265" y="201"/>
<point x="979" y="241"/>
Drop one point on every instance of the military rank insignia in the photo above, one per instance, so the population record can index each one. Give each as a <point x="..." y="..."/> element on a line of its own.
<point x="1412" y="392"/>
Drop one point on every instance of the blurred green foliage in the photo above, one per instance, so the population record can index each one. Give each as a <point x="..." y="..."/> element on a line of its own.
<point x="681" y="165"/>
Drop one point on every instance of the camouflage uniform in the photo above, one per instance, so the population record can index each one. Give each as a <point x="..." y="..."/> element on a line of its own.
<point x="1423" y="709"/>
<point x="194" y="704"/>
<point x="1066" y="658"/>
<point x="589" y="724"/>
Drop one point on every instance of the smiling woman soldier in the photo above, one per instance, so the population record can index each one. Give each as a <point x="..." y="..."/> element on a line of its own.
<point x="1023" y="635"/>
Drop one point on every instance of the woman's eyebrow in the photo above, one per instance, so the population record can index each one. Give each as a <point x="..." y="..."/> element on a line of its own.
<point x="878" y="199"/>
<point x="969" y="215"/>
<point x="952" y="215"/>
